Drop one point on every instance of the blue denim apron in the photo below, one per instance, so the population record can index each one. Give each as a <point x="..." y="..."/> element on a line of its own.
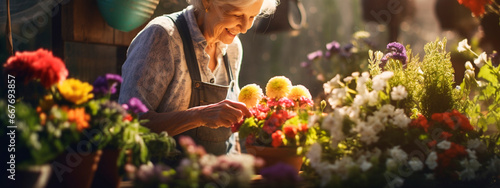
<point x="213" y="140"/>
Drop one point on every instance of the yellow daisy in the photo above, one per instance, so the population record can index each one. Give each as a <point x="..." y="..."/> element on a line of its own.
<point x="75" y="91"/>
<point x="278" y="87"/>
<point x="251" y="95"/>
<point x="299" y="91"/>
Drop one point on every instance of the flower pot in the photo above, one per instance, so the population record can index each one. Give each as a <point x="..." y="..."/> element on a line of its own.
<point x="33" y="176"/>
<point x="126" y="15"/>
<point x="272" y="156"/>
<point x="74" y="169"/>
<point x="107" y="171"/>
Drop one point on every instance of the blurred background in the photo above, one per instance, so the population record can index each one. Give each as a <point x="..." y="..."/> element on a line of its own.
<point x="279" y="45"/>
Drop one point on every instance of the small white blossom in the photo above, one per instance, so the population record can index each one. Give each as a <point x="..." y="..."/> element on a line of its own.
<point x="396" y="182"/>
<point x="386" y="110"/>
<point x="468" y="65"/>
<point x="399" y="93"/>
<point x="473" y="143"/>
<point x="365" y="165"/>
<point x="472" y="153"/>
<point x="342" y="166"/>
<point x="481" y="60"/>
<point x="355" y="74"/>
<point x="372" y="98"/>
<point x="337" y="96"/>
<point x="368" y="134"/>
<point x="463" y="46"/>
<point x="416" y="164"/>
<point x="431" y="160"/>
<point x="375" y="123"/>
<point x="470" y="168"/>
<point x="348" y="79"/>
<point x="314" y="154"/>
<point x="398" y="154"/>
<point x="444" y="145"/>
<point x="378" y="83"/>
<point x="391" y="164"/>
<point x="386" y="75"/>
<point x="400" y="119"/>
<point x="332" y="84"/>
<point x="359" y="100"/>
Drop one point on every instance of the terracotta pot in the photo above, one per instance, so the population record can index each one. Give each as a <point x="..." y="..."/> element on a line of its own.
<point x="32" y="177"/>
<point x="107" y="171"/>
<point x="272" y="156"/>
<point x="74" y="169"/>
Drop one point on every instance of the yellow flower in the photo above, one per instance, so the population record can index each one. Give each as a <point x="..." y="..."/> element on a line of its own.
<point x="299" y="91"/>
<point x="75" y="91"/>
<point x="278" y="87"/>
<point x="251" y="95"/>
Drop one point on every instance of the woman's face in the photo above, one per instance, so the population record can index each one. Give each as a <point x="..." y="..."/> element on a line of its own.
<point x="225" y="22"/>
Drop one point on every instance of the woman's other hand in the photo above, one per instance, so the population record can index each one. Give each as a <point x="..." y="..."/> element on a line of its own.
<point x="223" y="114"/>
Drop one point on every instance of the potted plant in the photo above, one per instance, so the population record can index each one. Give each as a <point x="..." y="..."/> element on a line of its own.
<point x="278" y="130"/>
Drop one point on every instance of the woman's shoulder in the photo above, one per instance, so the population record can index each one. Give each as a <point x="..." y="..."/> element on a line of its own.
<point x="162" y="22"/>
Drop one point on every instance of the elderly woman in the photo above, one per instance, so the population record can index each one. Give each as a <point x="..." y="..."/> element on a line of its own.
<point x="184" y="67"/>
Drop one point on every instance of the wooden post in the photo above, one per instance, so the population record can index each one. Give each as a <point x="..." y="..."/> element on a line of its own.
<point x="8" y="32"/>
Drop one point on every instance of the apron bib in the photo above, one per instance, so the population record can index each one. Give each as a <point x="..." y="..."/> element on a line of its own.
<point x="213" y="140"/>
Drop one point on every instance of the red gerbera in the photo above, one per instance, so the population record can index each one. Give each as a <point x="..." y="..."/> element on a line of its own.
<point x="420" y="122"/>
<point x="476" y="6"/>
<point x="40" y="64"/>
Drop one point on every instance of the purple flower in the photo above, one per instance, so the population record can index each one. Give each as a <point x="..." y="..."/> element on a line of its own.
<point x="106" y="84"/>
<point x="280" y="173"/>
<point x="315" y="55"/>
<point x="332" y="48"/>
<point x="397" y="52"/>
<point x="135" y="106"/>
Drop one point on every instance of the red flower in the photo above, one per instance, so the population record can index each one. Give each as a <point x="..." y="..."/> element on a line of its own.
<point x="446" y="135"/>
<point x="236" y="127"/>
<point x="303" y="127"/>
<point x="304" y="102"/>
<point x="290" y="131"/>
<point x="286" y="102"/>
<point x="420" y="122"/>
<point x="476" y="6"/>
<point x="40" y="64"/>
<point x="128" y="118"/>
<point x="277" y="138"/>
<point x="462" y="121"/>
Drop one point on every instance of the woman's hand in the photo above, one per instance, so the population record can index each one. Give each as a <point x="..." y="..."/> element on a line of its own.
<point x="223" y="114"/>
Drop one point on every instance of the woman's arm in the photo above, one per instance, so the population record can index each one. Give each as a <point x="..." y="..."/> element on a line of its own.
<point x="221" y="114"/>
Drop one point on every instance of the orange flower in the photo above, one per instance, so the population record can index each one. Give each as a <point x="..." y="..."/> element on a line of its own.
<point x="78" y="116"/>
<point x="476" y="6"/>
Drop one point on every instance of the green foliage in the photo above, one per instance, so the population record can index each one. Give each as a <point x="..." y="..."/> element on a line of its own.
<point x="437" y="93"/>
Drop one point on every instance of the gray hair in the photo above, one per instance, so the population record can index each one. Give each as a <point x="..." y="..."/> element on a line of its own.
<point x="268" y="7"/>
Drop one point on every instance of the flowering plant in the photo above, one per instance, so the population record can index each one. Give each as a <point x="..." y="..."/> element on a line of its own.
<point x="56" y="114"/>
<point x="198" y="169"/>
<point x="337" y="59"/>
<point x="480" y="7"/>
<point x="279" y="117"/>
<point x="401" y="125"/>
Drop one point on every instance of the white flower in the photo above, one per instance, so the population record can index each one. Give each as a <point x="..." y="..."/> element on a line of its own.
<point x="398" y="154"/>
<point x="468" y="65"/>
<point x="463" y="46"/>
<point x="359" y="100"/>
<point x="473" y="143"/>
<point x="470" y="168"/>
<point x="431" y="160"/>
<point x="375" y="123"/>
<point x="391" y="164"/>
<point x="337" y="96"/>
<point x="314" y="154"/>
<point x="333" y="123"/>
<point x="341" y="167"/>
<point x="472" y="153"/>
<point x="416" y="164"/>
<point x="333" y="83"/>
<point x="444" y="145"/>
<point x="368" y="134"/>
<point x="469" y="74"/>
<point x="396" y="182"/>
<point x="386" y="110"/>
<point x="355" y="74"/>
<point x="481" y="60"/>
<point x="372" y="98"/>
<point x="348" y="79"/>
<point x="398" y="93"/>
<point x="365" y="165"/>
<point x="386" y="75"/>
<point x="400" y="119"/>
<point x="378" y="83"/>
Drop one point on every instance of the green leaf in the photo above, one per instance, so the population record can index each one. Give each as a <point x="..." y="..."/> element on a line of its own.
<point x="488" y="73"/>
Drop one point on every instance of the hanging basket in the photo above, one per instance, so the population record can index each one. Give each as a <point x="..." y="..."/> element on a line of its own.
<point x="272" y="156"/>
<point x="126" y="15"/>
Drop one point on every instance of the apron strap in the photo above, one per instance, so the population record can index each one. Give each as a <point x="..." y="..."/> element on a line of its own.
<point x="190" y="55"/>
